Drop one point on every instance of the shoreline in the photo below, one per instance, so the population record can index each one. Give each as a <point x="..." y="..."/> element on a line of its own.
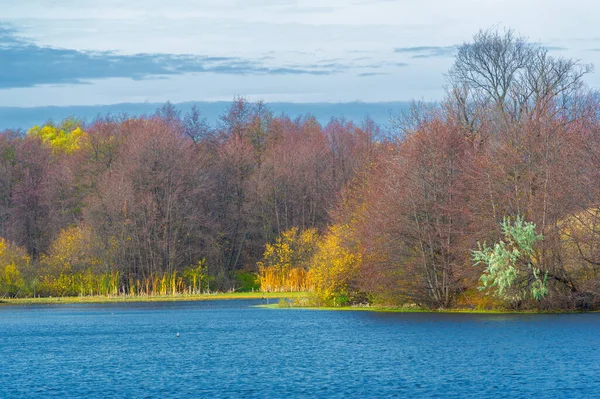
<point x="387" y="309"/>
<point x="164" y="298"/>
<point x="261" y="295"/>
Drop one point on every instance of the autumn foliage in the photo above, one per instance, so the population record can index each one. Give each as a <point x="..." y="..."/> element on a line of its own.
<point x="433" y="212"/>
<point x="166" y="204"/>
<point x="286" y="262"/>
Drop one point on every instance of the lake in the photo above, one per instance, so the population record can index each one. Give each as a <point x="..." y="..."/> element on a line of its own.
<point x="230" y="349"/>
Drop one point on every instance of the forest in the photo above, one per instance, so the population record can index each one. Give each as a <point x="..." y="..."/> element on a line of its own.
<point x="489" y="199"/>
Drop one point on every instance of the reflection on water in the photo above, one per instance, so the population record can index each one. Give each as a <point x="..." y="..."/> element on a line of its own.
<point x="230" y="349"/>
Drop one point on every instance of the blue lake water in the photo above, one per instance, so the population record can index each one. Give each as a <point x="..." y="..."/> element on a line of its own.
<point x="229" y="349"/>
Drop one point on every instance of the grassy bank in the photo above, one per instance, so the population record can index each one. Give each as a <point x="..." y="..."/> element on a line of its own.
<point x="276" y="303"/>
<point x="387" y="309"/>
<point x="165" y="298"/>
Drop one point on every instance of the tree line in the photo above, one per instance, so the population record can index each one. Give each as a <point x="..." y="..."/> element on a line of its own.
<point x="147" y="198"/>
<point x="489" y="199"/>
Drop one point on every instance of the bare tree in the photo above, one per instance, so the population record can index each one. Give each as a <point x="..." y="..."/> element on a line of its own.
<point x="195" y="126"/>
<point x="513" y="77"/>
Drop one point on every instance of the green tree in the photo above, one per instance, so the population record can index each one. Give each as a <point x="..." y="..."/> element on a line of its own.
<point x="197" y="277"/>
<point x="511" y="267"/>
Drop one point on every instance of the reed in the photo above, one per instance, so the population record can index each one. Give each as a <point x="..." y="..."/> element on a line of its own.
<point x="284" y="279"/>
<point x="115" y="284"/>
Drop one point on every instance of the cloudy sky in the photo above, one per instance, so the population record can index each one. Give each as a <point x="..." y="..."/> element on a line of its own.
<point x="83" y="52"/>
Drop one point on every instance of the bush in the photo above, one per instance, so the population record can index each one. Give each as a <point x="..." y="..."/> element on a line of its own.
<point x="247" y="281"/>
<point x="197" y="277"/>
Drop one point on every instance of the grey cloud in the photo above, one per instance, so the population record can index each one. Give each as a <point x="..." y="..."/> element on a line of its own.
<point x="427" y="51"/>
<point x="586" y="39"/>
<point x="8" y="37"/>
<point x="367" y="74"/>
<point x="330" y="60"/>
<point x="554" y="48"/>
<point x="26" y="64"/>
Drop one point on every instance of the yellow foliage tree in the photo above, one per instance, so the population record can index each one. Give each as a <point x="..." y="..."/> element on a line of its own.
<point x="79" y="263"/>
<point x="285" y="263"/>
<point x="64" y="138"/>
<point x="334" y="265"/>
<point x="13" y="263"/>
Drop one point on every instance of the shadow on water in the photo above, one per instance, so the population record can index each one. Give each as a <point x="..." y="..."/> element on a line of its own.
<point x="139" y="305"/>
